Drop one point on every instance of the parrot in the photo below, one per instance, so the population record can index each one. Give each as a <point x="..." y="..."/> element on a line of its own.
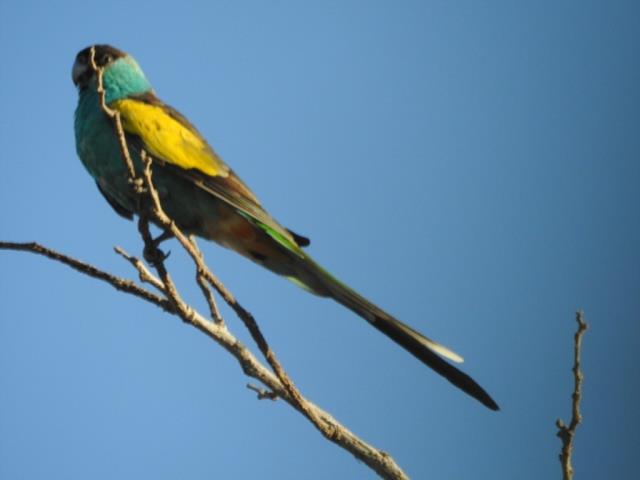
<point x="205" y="198"/>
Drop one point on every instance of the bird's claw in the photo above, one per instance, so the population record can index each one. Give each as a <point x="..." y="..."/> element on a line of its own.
<point x="154" y="256"/>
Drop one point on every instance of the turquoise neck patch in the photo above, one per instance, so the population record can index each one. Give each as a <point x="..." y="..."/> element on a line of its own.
<point x="124" y="78"/>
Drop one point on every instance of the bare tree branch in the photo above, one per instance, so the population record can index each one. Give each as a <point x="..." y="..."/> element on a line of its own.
<point x="204" y="285"/>
<point x="377" y="460"/>
<point x="121" y="284"/>
<point x="567" y="433"/>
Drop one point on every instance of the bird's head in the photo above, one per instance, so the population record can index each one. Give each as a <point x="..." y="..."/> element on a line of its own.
<point x="122" y="76"/>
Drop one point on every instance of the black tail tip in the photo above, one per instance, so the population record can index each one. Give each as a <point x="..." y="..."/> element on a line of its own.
<point x="491" y="404"/>
<point x="480" y="394"/>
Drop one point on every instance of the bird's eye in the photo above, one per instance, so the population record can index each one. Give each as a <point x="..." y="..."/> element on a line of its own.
<point x="106" y="58"/>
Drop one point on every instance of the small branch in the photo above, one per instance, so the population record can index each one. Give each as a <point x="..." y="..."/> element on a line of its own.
<point x="567" y="433"/>
<point x="204" y="285"/>
<point x="157" y="258"/>
<point x="211" y="301"/>
<point x="262" y="393"/>
<point x="121" y="284"/>
<point x="114" y="115"/>
<point x="145" y="275"/>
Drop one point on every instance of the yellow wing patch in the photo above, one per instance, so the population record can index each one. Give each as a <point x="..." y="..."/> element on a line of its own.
<point x="167" y="138"/>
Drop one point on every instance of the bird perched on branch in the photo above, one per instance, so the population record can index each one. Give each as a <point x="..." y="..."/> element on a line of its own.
<point x="206" y="198"/>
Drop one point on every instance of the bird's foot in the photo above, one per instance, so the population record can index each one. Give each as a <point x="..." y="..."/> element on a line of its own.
<point x="154" y="256"/>
<point x="152" y="253"/>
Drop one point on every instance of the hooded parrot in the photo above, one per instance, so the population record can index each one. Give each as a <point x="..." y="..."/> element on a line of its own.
<point x="206" y="198"/>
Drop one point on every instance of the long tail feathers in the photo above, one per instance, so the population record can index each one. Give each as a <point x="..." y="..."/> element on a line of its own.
<point x="425" y="349"/>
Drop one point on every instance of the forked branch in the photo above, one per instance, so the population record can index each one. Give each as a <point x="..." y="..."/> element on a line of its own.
<point x="377" y="460"/>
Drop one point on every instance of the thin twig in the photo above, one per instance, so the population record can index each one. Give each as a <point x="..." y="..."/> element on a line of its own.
<point x="262" y="392"/>
<point x="204" y="285"/>
<point x="119" y="283"/>
<point x="211" y="301"/>
<point x="145" y="275"/>
<point x="567" y="433"/>
<point x="113" y="114"/>
<point x="157" y="258"/>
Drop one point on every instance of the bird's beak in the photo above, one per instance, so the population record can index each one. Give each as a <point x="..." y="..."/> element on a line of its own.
<point x="78" y="71"/>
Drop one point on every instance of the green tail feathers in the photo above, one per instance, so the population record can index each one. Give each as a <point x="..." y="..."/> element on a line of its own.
<point x="431" y="353"/>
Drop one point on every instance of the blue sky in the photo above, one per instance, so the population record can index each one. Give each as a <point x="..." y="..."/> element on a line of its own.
<point x="472" y="167"/>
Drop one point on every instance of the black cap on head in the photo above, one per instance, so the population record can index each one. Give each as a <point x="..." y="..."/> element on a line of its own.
<point x="82" y="71"/>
